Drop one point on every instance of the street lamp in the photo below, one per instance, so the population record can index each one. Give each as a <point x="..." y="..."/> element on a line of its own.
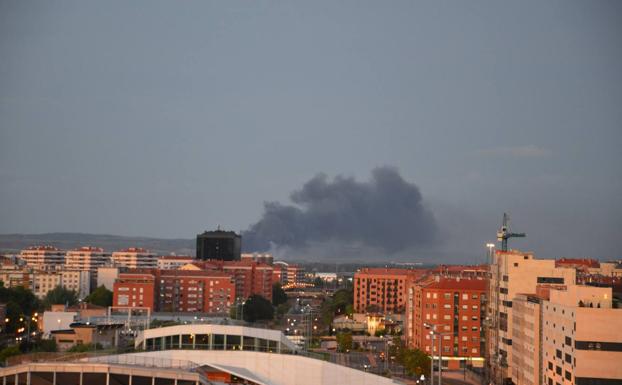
<point x="433" y="333"/>
<point x="490" y="246"/>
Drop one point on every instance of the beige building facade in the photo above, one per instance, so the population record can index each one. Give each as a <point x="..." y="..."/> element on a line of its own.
<point x="582" y="339"/>
<point x="514" y="272"/>
<point x="135" y="258"/>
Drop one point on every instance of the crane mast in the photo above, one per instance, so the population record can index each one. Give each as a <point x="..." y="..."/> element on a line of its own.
<point x="504" y="233"/>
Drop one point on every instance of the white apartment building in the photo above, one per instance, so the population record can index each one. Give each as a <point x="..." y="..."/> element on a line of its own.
<point x="582" y="337"/>
<point x="174" y="262"/>
<point x="135" y="258"/>
<point x="43" y="257"/>
<point x="514" y="272"/>
<point x="87" y="258"/>
<point x="266" y="258"/>
<point x="76" y="280"/>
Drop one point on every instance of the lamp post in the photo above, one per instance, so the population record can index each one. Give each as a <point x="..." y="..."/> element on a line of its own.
<point x="439" y="336"/>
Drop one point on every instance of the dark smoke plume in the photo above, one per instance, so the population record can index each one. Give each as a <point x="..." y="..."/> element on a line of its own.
<point x="385" y="215"/>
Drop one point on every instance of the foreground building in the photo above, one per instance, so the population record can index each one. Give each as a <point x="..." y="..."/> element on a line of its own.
<point x="453" y="307"/>
<point x="582" y="337"/>
<point x="526" y="339"/>
<point x="514" y="272"/>
<point x="196" y="354"/>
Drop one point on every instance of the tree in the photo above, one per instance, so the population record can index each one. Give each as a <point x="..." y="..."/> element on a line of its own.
<point x="20" y="303"/>
<point x="257" y="308"/>
<point x="415" y="362"/>
<point x="100" y="297"/>
<point x="278" y="294"/>
<point x="339" y="304"/>
<point x="60" y="295"/>
<point x="344" y="341"/>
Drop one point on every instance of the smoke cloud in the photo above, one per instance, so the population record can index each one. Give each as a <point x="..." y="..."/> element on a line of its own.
<point x="385" y="215"/>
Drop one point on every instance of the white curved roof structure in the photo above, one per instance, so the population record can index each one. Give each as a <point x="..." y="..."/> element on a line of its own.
<point x="265" y="368"/>
<point x="283" y="343"/>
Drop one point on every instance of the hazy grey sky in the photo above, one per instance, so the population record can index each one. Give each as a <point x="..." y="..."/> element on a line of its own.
<point x="166" y="118"/>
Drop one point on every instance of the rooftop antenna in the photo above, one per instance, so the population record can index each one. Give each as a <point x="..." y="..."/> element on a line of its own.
<point x="504" y="233"/>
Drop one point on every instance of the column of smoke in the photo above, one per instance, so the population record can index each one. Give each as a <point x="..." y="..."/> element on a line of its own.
<point x="344" y="218"/>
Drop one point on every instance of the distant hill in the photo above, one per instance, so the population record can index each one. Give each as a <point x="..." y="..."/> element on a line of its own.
<point x="65" y="241"/>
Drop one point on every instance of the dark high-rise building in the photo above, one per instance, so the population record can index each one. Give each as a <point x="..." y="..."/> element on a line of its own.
<point x="219" y="244"/>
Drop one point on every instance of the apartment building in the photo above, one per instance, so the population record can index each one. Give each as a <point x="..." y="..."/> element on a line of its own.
<point x="87" y="258"/>
<point x="135" y="258"/>
<point x="582" y="338"/>
<point x="14" y="275"/>
<point x="175" y="290"/>
<point x="453" y="307"/>
<point x="514" y="272"/>
<point x="266" y="258"/>
<point x="78" y="281"/>
<point x="135" y="289"/>
<point x="196" y="291"/>
<point x="172" y="262"/>
<point x="382" y="289"/>
<point x="43" y="257"/>
<point x="526" y="339"/>
<point x="249" y="277"/>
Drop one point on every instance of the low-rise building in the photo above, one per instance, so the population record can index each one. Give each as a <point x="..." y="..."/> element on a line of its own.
<point x="85" y="333"/>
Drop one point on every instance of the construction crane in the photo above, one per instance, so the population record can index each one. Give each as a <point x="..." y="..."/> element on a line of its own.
<point x="504" y="233"/>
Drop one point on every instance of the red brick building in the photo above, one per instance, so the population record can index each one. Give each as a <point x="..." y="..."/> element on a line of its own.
<point x="382" y="289"/>
<point x="455" y="307"/>
<point x="135" y="289"/>
<point x="250" y="277"/>
<point x="203" y="291"/>
<point x="195" y="291"/>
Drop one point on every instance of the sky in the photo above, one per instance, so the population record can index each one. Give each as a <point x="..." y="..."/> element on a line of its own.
<point x="163" y="119"/>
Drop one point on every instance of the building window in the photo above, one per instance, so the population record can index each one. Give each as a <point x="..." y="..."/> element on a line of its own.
<point x="568" y="358"/>
<point x="568" y="375"/>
